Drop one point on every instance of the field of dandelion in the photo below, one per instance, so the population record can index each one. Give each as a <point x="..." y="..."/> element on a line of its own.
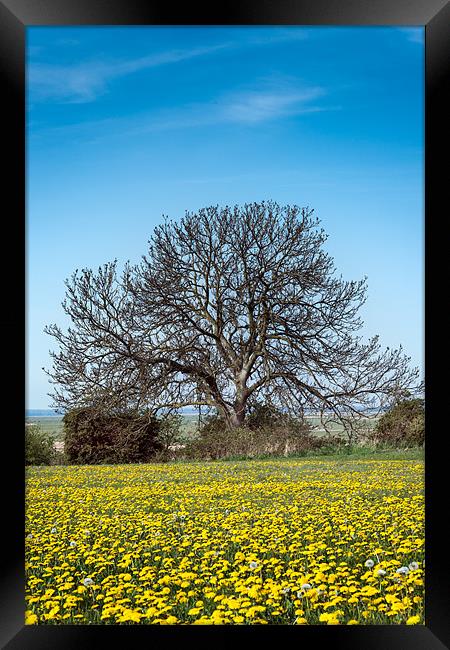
<point x="280" y="541"/>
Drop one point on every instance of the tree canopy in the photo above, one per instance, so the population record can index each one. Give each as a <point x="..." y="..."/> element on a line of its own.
<point x="228" y="306"/>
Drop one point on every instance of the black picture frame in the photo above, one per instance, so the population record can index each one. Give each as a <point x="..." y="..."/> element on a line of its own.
<point x="15" y="17"/>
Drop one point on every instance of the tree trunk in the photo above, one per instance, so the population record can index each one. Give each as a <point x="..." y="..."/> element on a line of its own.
<point x="237" y="416"/>
<point x="236" y="419"/>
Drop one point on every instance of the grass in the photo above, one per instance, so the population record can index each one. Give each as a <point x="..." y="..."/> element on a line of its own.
<point x="367" y="453"/>
<point x="330" y="454"/>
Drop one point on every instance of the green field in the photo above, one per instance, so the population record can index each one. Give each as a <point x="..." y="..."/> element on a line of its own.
<point x="54" y="425"/>
<point x="51" y="425"/>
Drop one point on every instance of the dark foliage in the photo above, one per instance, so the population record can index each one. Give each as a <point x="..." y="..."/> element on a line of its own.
<point x="92" y="437"/>
<point x="403" y="425"/>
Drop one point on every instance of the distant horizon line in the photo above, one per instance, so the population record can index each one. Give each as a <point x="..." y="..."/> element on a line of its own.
<point x="54" y="412"/>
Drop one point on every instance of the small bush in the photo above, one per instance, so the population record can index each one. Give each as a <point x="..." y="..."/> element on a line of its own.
<point x="402" y="426"/>
<point x="38" y="446"/>
<point x="92" y="438"/>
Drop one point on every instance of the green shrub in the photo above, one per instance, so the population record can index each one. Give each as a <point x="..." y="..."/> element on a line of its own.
<point x="403" y="425"/>
<point x="38" y="446"/>
<point x="92" y="438"/>
<point x="266" y="432"/>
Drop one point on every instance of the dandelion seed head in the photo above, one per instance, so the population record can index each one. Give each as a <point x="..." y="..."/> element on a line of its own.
<point x="403" y="570"/>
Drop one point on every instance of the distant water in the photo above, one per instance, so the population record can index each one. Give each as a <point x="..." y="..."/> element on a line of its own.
<point x="41" y="413"/>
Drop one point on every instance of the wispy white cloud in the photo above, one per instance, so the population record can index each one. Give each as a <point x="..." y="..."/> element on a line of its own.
<point x="414" y="34"/>
<point x="268" y="100"/>
<point x="80" y="83"/>
<point x="84" y="82"/>
<point x="255" y="106"/>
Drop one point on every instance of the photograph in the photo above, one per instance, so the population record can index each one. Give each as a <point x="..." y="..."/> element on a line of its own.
<point x="225" y="383"/>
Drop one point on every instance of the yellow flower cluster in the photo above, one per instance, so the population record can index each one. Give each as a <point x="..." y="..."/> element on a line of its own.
<point x="306" y="542"/>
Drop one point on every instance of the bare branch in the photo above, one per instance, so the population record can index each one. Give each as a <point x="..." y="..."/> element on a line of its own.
<point x="228" y="304"/>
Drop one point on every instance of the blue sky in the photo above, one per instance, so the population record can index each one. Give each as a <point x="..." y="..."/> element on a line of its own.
<point x="127" y="124"/>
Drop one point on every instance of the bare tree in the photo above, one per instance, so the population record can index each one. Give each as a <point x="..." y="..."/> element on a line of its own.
<point x="228" y="305"/>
